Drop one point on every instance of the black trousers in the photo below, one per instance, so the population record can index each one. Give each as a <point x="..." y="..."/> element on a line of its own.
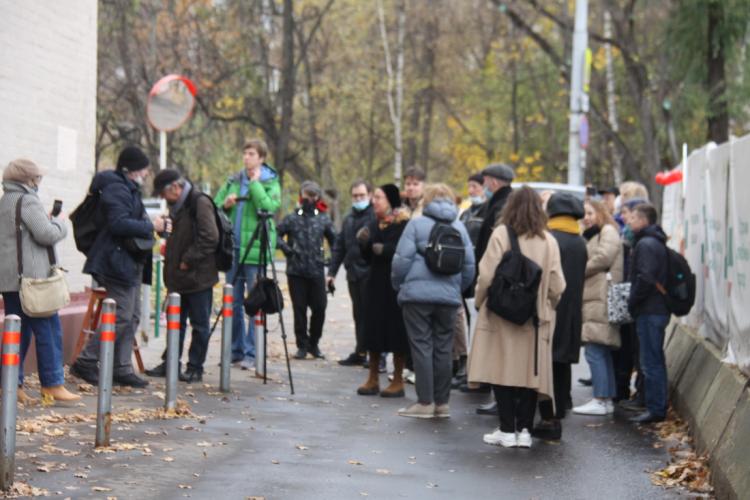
<point x="625" y="359"/>
<point x="561" y="378"/>
<point x="358" y="294"/>
<point x="516" y="406"/>
<point x="308" y="293"/>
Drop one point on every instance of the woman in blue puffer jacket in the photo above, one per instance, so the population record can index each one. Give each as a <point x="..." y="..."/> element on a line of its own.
<point x="429" y="302"/>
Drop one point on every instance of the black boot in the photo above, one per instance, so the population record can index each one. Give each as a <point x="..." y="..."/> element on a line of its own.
<point x="460" y="375"/>
<point x="85" y="372"/>
<point x="158" y="371"/>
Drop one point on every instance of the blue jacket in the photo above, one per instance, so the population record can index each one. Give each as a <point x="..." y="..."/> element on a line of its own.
<point x="122" y="215"/>
<point x="411" y="277"/>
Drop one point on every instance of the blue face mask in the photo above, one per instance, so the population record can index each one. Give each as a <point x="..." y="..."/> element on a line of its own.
<point x="476" y="200"/>
<point x="487" y="192"/>
<point x="628" y="234"/>
<point x="361" y="204"/>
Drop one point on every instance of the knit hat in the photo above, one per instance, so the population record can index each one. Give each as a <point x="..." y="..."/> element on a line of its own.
<point x="631" y="204"/>
<point x="311" y="187"/>
<point x="164" y="178"/>
<point x="132" y="159"/>
<point x="565" y="204"/>
<point x="393" y="194"/>
<point x="499" y="171"/>
<point x="478" y="178"/>
<point x="22" y="170"/>
<point x="610" y="190"/>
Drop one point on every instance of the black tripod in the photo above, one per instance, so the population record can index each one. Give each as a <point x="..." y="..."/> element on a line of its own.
<point x="265" y="256"/>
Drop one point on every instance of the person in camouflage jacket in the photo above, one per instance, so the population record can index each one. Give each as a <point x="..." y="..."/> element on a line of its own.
<point x="301" y="235"/>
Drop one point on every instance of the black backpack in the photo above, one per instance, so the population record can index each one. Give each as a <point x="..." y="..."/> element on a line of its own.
<point x="679" y="289"/>
<point x="225" y="247"/>
<point x="84" y="219"/>
<point x="514" y="289"/>
<point x="445" y="251"/>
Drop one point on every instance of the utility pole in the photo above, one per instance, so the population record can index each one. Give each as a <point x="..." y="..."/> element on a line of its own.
<point x="579" y="101"/>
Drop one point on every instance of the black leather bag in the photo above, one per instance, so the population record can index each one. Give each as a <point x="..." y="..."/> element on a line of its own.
<point x="265" y="295"/>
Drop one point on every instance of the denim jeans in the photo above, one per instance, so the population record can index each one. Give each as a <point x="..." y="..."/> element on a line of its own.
<point x="243" y="331"/>
<point x="650" y="329"/>
<point x="48" y="337"/>
<point x="197" y="307"/>
<point x="599" y="358"/>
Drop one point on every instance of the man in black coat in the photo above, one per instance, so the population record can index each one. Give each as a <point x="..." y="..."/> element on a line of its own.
<point x="564" y="211"/>
<point x="346" y="251"/>
<point x="304" y="230"/>
<point x="648" y="268"/>
<point x="497" y="179"/>
<point x="117" y="262"/>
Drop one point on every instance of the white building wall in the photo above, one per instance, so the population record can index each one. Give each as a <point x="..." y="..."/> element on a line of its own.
<point x="48" y="101"/>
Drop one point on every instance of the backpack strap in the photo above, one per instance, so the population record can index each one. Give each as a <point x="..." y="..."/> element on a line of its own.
<point x="19" y="244"/>
<point x="513" y="237"/>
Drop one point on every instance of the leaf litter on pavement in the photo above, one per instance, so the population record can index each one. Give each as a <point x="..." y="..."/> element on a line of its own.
<point x="686" y="469"/>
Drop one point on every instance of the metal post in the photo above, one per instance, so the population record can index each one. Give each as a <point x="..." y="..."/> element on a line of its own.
<point x="157" y="303"/>
<point x="11" y="363"/>
<point x="145" y="311"/>
<point x="162" y="150"/>
<point x="173" y="360"/>
<point x="260" y="346"/>
<point x="106" y="364"/>
<point x="226" y="337"/>
<point x="577" y="95"/>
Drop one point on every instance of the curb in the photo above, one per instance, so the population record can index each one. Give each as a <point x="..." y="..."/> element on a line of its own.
<point x="715" y="399"/>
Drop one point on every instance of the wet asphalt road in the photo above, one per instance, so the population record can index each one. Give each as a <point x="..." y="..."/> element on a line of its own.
<point x="326" y="442"/>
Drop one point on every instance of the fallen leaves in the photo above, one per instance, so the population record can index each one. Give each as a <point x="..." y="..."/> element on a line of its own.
<point x="19" y="489"/>
<point x="100" y="489"/>
<point x="355" y="462"/>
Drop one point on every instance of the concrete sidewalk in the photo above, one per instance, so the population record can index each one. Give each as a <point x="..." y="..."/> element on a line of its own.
<point x="324" y="442"/>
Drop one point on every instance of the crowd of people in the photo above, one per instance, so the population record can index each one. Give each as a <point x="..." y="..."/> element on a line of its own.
<point x="415" y="266"/>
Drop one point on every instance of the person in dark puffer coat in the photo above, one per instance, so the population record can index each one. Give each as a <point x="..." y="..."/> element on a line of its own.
<point x="301" y="236"/>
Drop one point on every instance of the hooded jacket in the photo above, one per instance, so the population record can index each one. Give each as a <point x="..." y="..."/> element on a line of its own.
<point x="648" y="266"/>
<point x="122" y="216"/>
<point x="411" y="277"/>
<point x="263" y="194"/>
<point x="346" y="248"/>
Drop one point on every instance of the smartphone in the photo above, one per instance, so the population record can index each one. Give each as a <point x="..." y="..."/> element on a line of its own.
<point x="56" y="208"/>
<point x="242" y="198"/>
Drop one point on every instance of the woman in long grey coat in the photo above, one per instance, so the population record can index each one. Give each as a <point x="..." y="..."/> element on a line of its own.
<point x="39" y="231"/>
<point x="503" y="353"/>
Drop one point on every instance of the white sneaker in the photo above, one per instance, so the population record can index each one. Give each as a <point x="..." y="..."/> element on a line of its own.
<point x="524" y="439"/>
<point x="409" y="376"/>
<point x="593" y="407"/>
<point x="610" y="407"/>
<point x="499" y="438"/>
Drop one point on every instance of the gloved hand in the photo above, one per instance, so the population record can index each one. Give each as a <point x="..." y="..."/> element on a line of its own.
<point x="377" y="248"/>
<point x="363" y="235"/>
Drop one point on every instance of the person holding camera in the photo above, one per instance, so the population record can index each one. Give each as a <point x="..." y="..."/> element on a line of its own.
<point x="189" y="265"/>
<point x="39" y="232"/>
<point x="120" y="260"/>
<point x="304" y="230"/>
<point x="255" y="188"/>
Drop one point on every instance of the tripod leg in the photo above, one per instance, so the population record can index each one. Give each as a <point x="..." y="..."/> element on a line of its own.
<point x="268" y="255"/>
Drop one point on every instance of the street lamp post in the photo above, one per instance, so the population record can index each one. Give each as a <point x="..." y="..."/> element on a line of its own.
<point x="578" y="96"/>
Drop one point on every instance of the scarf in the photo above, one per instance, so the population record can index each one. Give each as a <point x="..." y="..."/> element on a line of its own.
<point x="181" y="201"/>
<point x="591" y="232"/>
<point x="565" y="224"/>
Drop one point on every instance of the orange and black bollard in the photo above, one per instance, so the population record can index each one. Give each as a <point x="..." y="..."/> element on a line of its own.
<point x="11" y="362"/>
<point x="106" y="364"/>
<point x="226" y="337"/>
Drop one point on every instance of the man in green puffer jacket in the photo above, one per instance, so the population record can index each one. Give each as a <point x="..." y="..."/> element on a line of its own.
<point x="254" y="188"/>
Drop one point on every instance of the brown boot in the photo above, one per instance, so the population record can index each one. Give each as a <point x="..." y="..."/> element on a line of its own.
<point x="396" y="388"/>
<point x="59" y="395"/>
<point x="372" y="386"/>
<point x="24" y="398"/>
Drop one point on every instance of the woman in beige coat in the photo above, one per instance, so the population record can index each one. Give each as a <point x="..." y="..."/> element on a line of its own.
<point x="503" y="354"/>
<point x="604" y="265"/>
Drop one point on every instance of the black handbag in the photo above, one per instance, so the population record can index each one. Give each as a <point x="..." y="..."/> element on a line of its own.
<point x="265" y="295"/>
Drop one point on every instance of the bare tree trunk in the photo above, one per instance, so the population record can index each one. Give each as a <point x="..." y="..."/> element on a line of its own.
<point x="611" y="102"/>
<point x="287" y="90"/>
<point x="395" y="77"/>
<point x="716" y="84"/>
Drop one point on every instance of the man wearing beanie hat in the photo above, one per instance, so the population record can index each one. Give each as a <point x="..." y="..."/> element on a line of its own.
<point x="497" y="179"/>
<point x="565" y="210"/>
<point x="120" y="260"/>
<point x="301" y="235"/>
<point x="254" y="189"/>
<point x="189" y="265"/>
